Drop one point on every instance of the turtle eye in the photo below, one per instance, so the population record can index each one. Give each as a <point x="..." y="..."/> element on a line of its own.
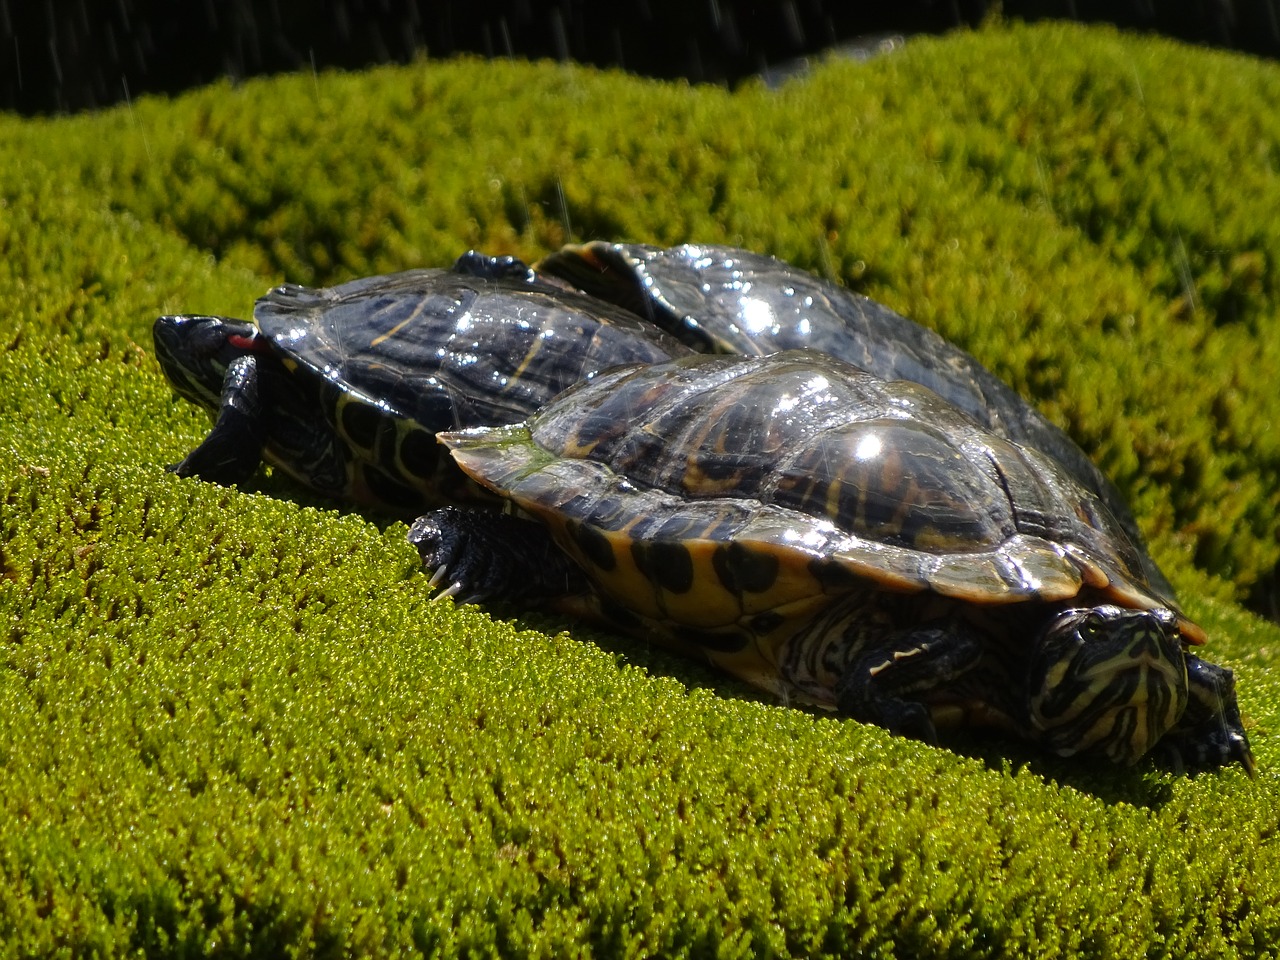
<point x="1091" y="627"/>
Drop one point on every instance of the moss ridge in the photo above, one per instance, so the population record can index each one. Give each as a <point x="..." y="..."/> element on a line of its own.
<point x="233" y="721"/>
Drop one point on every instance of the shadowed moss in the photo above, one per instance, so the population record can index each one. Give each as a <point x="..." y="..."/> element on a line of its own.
<point x="233" y="721"/>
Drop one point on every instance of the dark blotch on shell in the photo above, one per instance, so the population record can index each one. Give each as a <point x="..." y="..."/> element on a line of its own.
<point x="719" y="467"/>
<point x="743" y="570"/>
<point x="666" y="564"/>
<point x="419" y="453"/>
<point x="594" y="545"/>
<point x="834" y="576"/>
<point x="360" y="423"/>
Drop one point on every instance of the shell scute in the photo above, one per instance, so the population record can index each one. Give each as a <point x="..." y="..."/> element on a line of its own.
<point x="894" y="481"/>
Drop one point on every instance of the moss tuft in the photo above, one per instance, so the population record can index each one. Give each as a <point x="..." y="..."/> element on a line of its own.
<point x="232" y="720"/>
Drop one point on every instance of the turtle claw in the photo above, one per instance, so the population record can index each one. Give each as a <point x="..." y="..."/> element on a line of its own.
<point x="452" y="590"/>
<point x="440" y="575"/>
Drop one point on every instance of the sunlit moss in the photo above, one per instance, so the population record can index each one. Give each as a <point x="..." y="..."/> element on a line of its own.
<point x="232" y="720"/>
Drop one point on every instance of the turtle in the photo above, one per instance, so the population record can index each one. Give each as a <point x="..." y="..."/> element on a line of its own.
<point x="841" y="540"/>
<point x="724" y="299"/>
<point x="344" y="388"/>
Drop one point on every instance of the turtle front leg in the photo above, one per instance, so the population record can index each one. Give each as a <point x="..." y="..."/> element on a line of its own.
<point x="233" y="449"/>
<point x="1210" y="732"/>
<point x="883" y="685"/>
<point x="484" y="555"/>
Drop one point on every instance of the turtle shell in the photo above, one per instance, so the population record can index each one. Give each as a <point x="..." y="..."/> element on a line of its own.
<point x="446" y="349"/>
<point x="727" y="300"/>
<point x="728" y="494"/>
<point x="369" y="370"/>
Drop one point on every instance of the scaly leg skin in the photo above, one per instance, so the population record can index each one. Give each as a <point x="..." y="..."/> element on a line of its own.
<point x="878" y="686"/>
<point x="233" y="449"/>
<point x="483" y="555"/>
<point x="473" y="263"/>
<point x="1210" y="733"/>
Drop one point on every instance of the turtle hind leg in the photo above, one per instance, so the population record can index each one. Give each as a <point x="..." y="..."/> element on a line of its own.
<point x="482" y="556"/>
<point x="1210" y="733"/>
<point x="884" y="684"/>
<point x="233" y="449"/>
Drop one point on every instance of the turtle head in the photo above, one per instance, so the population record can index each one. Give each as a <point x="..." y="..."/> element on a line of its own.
<point x="194" y="352"/>
<point x="1108" y="680"/>
<point x="605" y="270"/>
<point x="663" y="286"/>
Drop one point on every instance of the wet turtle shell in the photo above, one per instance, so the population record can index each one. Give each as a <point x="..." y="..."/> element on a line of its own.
<point x="855" y="543"/>
<point x="727" y="300"/>
<point x="344" y="388"/>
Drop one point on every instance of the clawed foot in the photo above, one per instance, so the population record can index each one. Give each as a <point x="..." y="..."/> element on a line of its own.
<point x="1206" y="750"/>
<point x="1211" y="732"/>
<point x="902" y="718"/>
<point x="444" y="539"/>
<point x="480" y="556"/>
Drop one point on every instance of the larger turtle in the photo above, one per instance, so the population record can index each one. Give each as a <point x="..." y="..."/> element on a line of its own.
<point x="344" y="388"/>
<point x="845" y="540"/>
<point x="727" y="300"/>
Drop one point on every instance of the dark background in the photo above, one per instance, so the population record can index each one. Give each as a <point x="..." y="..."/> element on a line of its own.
<point x="67" y="55"/>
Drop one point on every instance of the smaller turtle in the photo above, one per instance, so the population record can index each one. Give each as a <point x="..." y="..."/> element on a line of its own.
<point x="842" y="540"/>
<point x="344" y="388"/>
<point x="720" y="299"/>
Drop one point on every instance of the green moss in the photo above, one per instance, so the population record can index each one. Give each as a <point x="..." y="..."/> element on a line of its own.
<point x="231" y="721"/>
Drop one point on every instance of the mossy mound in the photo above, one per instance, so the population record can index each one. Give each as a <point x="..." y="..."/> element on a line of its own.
<point x="232" y="722"/>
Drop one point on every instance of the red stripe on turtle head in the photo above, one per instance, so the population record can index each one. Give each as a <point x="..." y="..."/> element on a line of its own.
<point x="255" y="343"/>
